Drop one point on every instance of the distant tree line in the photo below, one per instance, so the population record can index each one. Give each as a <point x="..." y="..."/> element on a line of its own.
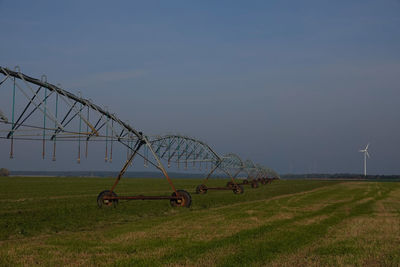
<point x="4" y="172"/>
<point x="339" y="176"/>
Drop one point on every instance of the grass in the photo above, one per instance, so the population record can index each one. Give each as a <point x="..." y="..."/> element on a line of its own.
<point x="55" y="221"/>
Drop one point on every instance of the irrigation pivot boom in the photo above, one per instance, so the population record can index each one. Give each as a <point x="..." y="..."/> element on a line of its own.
<point x="186" y="151"/>
<point x="41" y="111"/>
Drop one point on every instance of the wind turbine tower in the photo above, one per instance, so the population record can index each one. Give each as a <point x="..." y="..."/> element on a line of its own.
<point x="366" y="154"/>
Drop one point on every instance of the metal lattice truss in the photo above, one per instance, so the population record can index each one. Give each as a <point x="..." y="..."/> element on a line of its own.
<point x="250" y="169"/>
<point x="186" y="151"/>
<point x="42" y="111"/>
<point x="233" y="164"/>
<point x="183" y="151"/>
<point x="50" y="113"/>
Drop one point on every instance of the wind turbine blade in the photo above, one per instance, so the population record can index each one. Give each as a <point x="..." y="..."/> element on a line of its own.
<point x="367" y="154"/>
<point x="361" y="150"/>
<point x="367" y="147"/>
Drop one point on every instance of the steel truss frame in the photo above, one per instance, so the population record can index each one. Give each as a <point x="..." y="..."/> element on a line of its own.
<point x="50" y="114"/>
<point x="184" y="151"/>
<point x="231" y="163"/>
<point x="64" y="116"/>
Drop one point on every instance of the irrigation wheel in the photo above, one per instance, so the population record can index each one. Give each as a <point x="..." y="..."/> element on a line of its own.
<point x="201" y="189"/>
<point x="238" y="189"/>
<point x="184" y="201"/>
<point x="245" y="181"/>
<point x="254" y="184"/>
<point x="230" y="184"/>
<point x="107" y="202"/>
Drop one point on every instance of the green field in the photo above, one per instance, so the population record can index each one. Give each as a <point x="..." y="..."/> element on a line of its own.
<point x="55" y="221"/>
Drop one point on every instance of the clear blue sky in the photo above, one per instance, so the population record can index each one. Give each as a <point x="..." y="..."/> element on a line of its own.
<point x="299" y="86"/>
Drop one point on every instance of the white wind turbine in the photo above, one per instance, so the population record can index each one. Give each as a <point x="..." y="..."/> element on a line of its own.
<point x="366" y="154"/>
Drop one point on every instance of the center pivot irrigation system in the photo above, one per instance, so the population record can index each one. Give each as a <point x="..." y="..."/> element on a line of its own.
<point x="41" y="111"/>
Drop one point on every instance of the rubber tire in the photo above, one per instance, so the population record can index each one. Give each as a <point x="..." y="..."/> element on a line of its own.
<point x="230" y="184"/>
<point x="238" y="189"/>
<point x="186" y="200"/>
<point x="264" y="181"/>
<point x="254" y="184"/>
<point x="107" y="203"/>
<point x="245" y="181"/>
<point x="201" y="189"/>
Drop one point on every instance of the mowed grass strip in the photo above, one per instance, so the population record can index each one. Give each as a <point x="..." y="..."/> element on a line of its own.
<point x="46" y="205"/>
<point x="286" y="223"/>
<point x="370" y="239"/>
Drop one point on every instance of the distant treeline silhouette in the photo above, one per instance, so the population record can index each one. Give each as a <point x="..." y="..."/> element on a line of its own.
<point x="150" y="174"/>
<point x="339" y="176"/>
<point x="132" y="174"/>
